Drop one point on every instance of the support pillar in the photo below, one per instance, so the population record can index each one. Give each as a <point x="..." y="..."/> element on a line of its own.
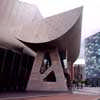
<point x="36" y="78"/>
<point x="71" y="72"/>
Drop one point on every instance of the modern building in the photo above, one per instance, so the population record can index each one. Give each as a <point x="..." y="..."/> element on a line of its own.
<point x="92" y="55"/>
<point x="27" y="38"/>
<point x="92" y="51"/>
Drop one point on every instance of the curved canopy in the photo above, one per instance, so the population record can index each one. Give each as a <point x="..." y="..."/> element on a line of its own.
<point x="51" y="28"/>
<point x="62" y="31"/>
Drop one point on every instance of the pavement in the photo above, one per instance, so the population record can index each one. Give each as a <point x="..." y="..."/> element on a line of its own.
<point x="60" y="97"/>
<point x="33" y="94"/>
<point x="86" y="93"/>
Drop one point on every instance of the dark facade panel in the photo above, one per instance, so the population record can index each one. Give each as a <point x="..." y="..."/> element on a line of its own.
<point x="15" y="69"/>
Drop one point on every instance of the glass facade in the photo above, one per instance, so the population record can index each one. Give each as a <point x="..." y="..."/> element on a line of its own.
<point x="92" y="56"/>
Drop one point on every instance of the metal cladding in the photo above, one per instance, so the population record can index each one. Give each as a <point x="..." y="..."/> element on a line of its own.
<point x="62" y="31"/>
<point x="24" y="22"/>
<point x="13" y="16"/>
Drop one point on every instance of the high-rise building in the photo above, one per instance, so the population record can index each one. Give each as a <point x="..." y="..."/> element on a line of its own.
<point x="92" y="56"/>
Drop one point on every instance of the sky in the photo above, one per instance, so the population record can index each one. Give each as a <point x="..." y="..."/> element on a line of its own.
<point x="91" y="12"/>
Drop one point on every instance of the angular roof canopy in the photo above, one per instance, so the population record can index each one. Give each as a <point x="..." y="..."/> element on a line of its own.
<point x="21" y="21"/>
<point x="52" y="27"/>
<point x="62" y="31"/>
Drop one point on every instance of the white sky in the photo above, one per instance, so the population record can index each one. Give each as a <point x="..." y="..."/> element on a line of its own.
<point x="79" y="61"/>
<point x="91" y="12"/>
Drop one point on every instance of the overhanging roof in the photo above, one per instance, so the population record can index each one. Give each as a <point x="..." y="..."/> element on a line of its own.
<point x="62" y="31"/>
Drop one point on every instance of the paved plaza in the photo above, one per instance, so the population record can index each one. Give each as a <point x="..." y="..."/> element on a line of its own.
<point x="60" y="97"/>
<point x="86" y="93"/>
